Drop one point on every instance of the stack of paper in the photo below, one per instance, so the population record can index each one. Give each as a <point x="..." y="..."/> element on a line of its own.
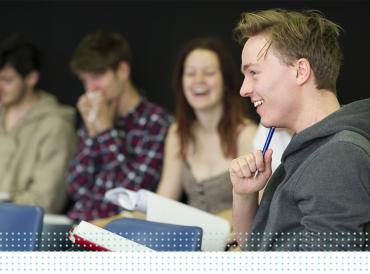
<point x="161" y="209"/>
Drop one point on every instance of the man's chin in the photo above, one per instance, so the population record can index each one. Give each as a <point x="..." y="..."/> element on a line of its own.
<point x="266" y="123"/>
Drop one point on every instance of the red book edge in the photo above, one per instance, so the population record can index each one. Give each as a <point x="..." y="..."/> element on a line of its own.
<point x="81" y="241"/>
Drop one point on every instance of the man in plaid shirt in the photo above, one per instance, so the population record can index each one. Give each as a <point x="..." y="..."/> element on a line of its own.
<point x="121" y="143"/>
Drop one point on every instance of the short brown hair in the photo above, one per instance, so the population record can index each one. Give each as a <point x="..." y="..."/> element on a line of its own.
<point x="297" y="35"/>
<point x="234" y="109"/>
<point x="100" y="51"/>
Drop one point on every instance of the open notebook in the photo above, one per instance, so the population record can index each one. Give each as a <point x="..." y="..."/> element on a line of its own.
<point x="161" y="209"/>
<point x="95" y="238"/>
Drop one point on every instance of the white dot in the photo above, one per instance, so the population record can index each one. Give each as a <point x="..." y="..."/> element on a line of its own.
<point x="131" y="175"/>
<point x="81" y="191"/>
<point x="88" y="142"/>
<point x="142" y="121"/>
<point x="99" y="182"/>
<point x="120" y="157"/>
<point x="154" y="117"/>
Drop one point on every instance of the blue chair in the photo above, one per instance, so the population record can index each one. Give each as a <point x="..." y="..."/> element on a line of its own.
<point x="158" y="236"/>
<point x="20" y="227"/>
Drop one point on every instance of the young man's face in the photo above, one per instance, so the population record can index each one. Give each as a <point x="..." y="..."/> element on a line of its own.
<point x="13" y="87"/>
<point x="109" y="83"/>
<point x="270" y="84"/>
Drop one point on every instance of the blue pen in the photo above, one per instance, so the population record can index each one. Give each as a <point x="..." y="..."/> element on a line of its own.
<point x="266" y="146"/>
<point x="268" y="140"/>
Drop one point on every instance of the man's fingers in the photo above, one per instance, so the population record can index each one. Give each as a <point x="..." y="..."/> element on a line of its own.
<point x="244" y="167"/>
<point x="83" y="104"/>
<point x="268" y="158"/>
<point x="234" y="168"/>
<point x="240" y="167"/>
<point x="251" y="163"/>
<point x="259" y="160"/>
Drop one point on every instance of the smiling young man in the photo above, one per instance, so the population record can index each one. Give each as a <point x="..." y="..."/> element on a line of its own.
<point x="319" y="197"/>
<point x="37" y="135"/>
<point x="121" y="142"/>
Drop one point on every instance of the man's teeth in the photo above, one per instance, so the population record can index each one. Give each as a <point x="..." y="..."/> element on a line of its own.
<point x="258" y="103"/>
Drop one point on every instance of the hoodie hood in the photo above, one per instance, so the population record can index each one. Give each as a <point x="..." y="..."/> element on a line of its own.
<point x="353" y="117"/>
<point x="49" y="106"/>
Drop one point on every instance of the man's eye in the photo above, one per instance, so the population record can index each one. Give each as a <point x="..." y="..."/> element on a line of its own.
<point x="7" y="79"/>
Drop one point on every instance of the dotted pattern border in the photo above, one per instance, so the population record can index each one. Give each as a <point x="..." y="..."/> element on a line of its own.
<point x="211" y="262"/>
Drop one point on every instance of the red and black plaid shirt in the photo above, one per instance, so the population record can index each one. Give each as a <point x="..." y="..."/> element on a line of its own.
<point x="129" y="155"/>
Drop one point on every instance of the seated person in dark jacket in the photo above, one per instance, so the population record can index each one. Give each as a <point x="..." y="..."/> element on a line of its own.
<point x="319" y="197"/>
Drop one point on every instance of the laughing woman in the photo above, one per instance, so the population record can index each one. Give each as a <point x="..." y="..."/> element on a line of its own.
<point x="211" y="127"/>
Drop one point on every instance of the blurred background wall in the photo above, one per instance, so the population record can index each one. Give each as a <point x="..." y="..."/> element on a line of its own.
<point x="157" y="29"/>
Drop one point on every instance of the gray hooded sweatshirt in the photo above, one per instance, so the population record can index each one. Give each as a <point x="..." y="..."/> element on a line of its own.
<point x="319" y="197"/>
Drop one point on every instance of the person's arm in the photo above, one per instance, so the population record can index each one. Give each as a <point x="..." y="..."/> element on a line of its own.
<point x="97" y="117"/>
<point x="170" y="184"/>
<point x="82" y="168"/>
<point x="333" y="195"/>
<point x="139" y="168"/>
<point x="131" y="160"/>
<point x="47" y="187"/>
<point x="244" y="210"/>
<point x="245" y="189"/>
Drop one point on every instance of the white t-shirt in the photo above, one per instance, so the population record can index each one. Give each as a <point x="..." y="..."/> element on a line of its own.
<point x="279" y="142"/>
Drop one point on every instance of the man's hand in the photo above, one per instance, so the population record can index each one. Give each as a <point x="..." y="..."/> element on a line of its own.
<point x="97" y="112"/>
<point x="243" y="172"/>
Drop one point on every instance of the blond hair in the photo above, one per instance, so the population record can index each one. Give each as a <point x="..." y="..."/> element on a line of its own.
<point x="295" y="35"/>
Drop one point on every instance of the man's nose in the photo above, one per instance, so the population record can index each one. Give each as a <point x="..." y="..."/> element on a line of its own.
<point x="92" y="86"/>
<point x="246" y="89"/>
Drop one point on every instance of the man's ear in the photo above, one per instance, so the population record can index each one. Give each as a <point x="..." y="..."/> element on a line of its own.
<point x="32" y="78"/>
<point x="303" y="71"/>
<point x="124" y="70"/>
